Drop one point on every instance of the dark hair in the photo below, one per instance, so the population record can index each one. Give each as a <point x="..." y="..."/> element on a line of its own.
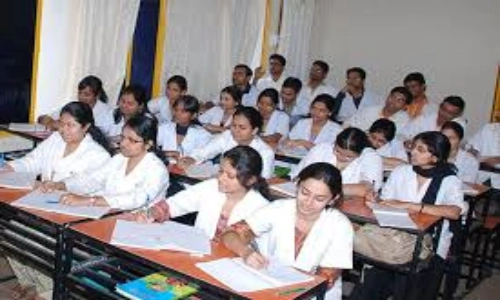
<point x="252" y="115"/>
<point x="326" y="173"/>
<point x="82" y="113"/>
<point x="191" y="105"/>
<point x="248" y="71"/>
<point x="293" y="83"/>
<point x="323" y="65"/>
<point x="405" y="92"/>
<point x="384" y="126"/>
<point x="139" y="94"/>
<point x="456" y="127"/>
<point x="437" y="144"/>
<point x="415" y="76"/>
<point x="271" y="93"/>
<point x="180" y="81"/>
<point x="248" y="164"/>
<point x="353" y="139"/>
<point x="279" y="58"/>
<point x="95" y="85"/>
<point x="456" y="101"/>
<point x="146" y="126"/>
<point x="328" y="101"/>
<point x="234" y="92"/>
<point x="360" y="71"/>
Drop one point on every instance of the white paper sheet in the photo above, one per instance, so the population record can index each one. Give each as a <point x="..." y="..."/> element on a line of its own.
<point x="27" y="127"/>
<point x="288" y="188"/>
<point x="165" y="236"/>
<point x="392" y="217"/>
<point x="204" y="170"/>
<point x="50" y="202"/>
<point x="17" y="180"/>
<point x="236" y="275"/>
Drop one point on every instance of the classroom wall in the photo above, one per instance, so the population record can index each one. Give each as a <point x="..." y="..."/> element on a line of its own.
<point x="455" y="43"/>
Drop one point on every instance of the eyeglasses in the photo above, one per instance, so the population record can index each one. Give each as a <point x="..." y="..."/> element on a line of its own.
<point x="121" y="138"/>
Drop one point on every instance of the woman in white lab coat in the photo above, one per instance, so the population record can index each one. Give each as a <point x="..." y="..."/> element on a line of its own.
<point x="91" y="92"/>
<point x="318" y="128"/>
<point x="308" y="232"/>
<point x="245" y="128"/>
<point x="361" y="166"/>
<point x="382" y="137"/>
<point x="235" y="194"/>
<point x="132" y="103"/>
<point x="161" y="107"/>
<point x="467" y="165"/>
<point x="131" y="178"/>
<point x="218" y="118"/>
<point x="184" y="136"/>
<point x="68" y="151"/>
<point x="427" y="185"/>
<point x="276" y="122"/>
<point x="486" y="144"/>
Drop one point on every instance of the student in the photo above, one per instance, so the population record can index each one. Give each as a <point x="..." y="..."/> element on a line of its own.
<point x="131" y="178"/>
<point x="235" y="194"/>
<point x="316" y="129"/>
<point x="308" y="232"/>
<point x="242" y="75"/>
<point x="451" y="109"/>
<point x="394" y="109"/>
<point x="382" y="137"/>
<point x="415" y="83"/>
<point x="351" y="153"/>
<point x="91" y="92"/>
<point x="354" y="97"/>
<point x="69" y="151"/>
<point x="184" y="136"/>
<point x="161" y="107"/>
<point x="486" y="145"/>
<point x="245" y="128"/>
<point x="276" y="122"/>
<point x="294" y="106"/>
<point x="467" y="165"/>
<point x="316" y="84"/>
<point x="276" y="76"/>
<point x="132" y="103"/>
<point x="218" y="118"/>
<point x="428" y="185"/>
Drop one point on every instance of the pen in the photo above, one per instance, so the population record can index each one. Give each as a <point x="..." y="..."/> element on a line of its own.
<point x="52" y="201"/>
<point x="292" y="291"/>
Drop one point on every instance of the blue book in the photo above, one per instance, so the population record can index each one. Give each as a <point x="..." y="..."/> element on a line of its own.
<point x="158" y="286"/>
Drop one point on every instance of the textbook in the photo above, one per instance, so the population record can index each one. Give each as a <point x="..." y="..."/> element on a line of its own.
<point x="288" y="188"/>
<point x="392" y="217"/>
<point x="158" y="286"/>
<point x="234" y="273"/>
<point x="17" y="180"/>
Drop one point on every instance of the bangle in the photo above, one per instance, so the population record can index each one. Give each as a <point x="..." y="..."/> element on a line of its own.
<point x="421" y="208"/>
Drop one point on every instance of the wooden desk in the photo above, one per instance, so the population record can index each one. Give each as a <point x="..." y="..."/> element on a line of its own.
<point x="97" y="234"/>
<point x="35" y="136"/>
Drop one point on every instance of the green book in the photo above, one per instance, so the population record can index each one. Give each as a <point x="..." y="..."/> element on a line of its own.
<point x="158" y="286"/>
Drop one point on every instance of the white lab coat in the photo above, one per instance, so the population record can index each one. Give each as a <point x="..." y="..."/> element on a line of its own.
<point x="146" y="182"/>
<point x="214" y="116"/>
<point x="101" y="112"/>
<point x="250" y="98"/>
<point x="327" y="134"/>
<point x="206" y="199"/>
<point x="364" y="118"/>
<point x="328" y="244"/>
<point x="348" y="109"/>
<point x="224" y="142"/>
<point x="279" y="122"/>
<point x="367" y="167"/>
<point x="427" y="122"/>
<point x="267" y="82"/>
<point x="487" y="142"/>
<point x="467" y="166"/>
<point x="307" y="94"/>
<point x="160" y="108"/>
<point x="402" y="185"/>
<point x="113" y="129"/>
<point x="393" y="149"/>
<point x="48" y="161"/>
<point x="195" y="138"/>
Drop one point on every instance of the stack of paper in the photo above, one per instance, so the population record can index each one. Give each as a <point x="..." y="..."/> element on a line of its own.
<point x="234" y="273"/>
<point x="288" y="188"/>
<point x="166" y="236"/>
<point x="204" y="170"/>
<point x="50" y="202"/>
<point x="17" y="180"/>
<point x="392" y="217"/>
<point x="26" y="127"/>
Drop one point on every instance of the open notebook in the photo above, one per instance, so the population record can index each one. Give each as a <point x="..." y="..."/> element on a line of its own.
<point x="288" y="188"/>
<point x="17" y="180"/>
<point x="204" y="170"/>
<point x="234" y="273"/>
<point x="392" y="217"/>
<point x="165" y="236"/>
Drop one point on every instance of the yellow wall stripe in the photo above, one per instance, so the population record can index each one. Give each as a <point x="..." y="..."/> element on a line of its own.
<point x="36" y="53"/>
<point x="495" y="112"/>
<point x="265" y="39"/>
<point x="160" y="46"/>
<point x="129" y="63"/>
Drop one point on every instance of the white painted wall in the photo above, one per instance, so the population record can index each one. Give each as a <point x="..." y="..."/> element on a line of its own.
<point x="455" y="43"/>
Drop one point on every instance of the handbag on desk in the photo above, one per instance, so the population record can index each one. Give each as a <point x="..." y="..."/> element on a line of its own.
<point x="389" y="245"/>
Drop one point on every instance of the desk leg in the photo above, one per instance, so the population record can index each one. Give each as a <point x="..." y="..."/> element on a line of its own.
<point x="59" y="255"/>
